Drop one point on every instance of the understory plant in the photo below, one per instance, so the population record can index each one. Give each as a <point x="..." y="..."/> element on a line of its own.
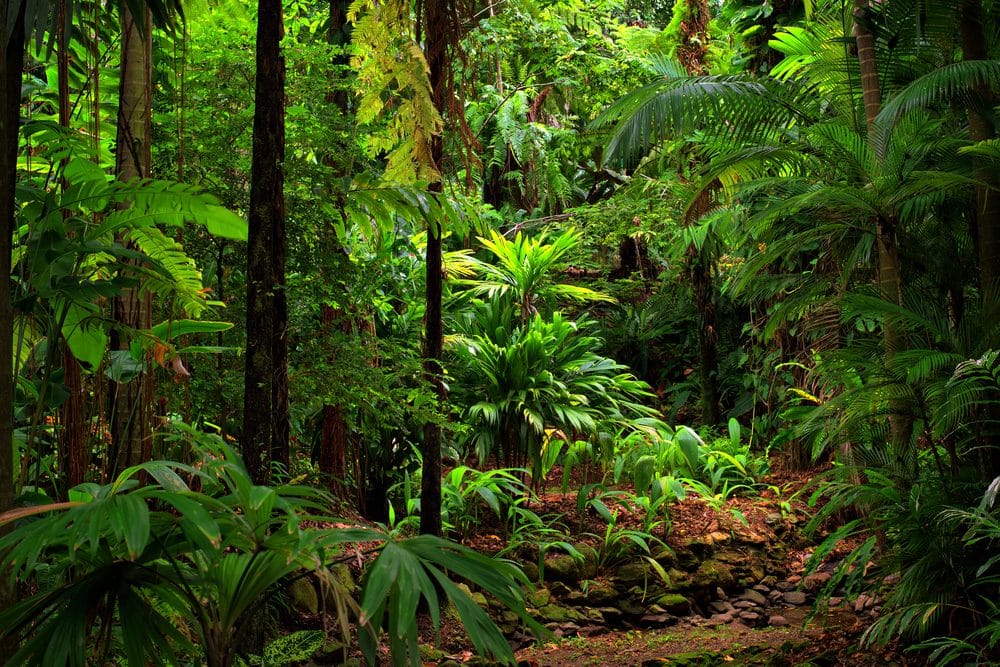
<point x="174" y="568"/>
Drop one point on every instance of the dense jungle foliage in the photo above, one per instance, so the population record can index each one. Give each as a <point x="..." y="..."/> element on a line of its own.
<point x="308" y="293"/>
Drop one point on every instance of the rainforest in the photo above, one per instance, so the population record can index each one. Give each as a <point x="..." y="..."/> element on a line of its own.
<point x="499" y="332"/>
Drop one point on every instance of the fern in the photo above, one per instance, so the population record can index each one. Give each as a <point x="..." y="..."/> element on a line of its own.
<point x="173" y="273"/>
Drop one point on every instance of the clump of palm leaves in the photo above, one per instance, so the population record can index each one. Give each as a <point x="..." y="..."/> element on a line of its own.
<point x="204" y="547"/>
<point x="526" y="367"/>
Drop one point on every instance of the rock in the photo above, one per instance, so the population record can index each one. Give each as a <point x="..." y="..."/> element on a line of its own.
<point x="630" y="607"/>
<point x="720" y="593"/>
<point x="732" y="557"/>
<point x="599" y="593"/>
<point x="774" y="596"/>
<point x="773" y="519"/>
<point x="769" y="581"/>
<point x="559" y="589"/>
<point x="744" y="604"/>
<point x="761" y="588"/>
<point x="562" y="568"/>
<point x="530" y="571"/>
<point x="795" y="598"/>
<point x="712" y="574"/>
<point x="793" y="580"/>
<point x="719" y="619"/>
<point x="675" y="604"/>
<point x="633" y="574"/>
<point x="666" y="557"/>
<point x="864" y="602"/>
<point x="610" y="614"/>
<point x="588" y="568"/>
<point x="777" y="621"/>
<point x="592" y="630"/>
<point x="816" y="580"/>
<point x="539" y="598"/>
<point x="553" y="613"/>
<point x="835" y="601"/>
<point x="720" y="606"/>
<point x="659" y="620"/>
<point x="304" y="595"/>
<point x="569" y="629"/>
<point x="750" y="617"/>
<point x="750" y="595"/>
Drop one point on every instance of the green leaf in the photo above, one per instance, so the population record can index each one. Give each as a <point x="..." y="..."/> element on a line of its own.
<point x="171" y="329"/>
<point x="87" y="340"/>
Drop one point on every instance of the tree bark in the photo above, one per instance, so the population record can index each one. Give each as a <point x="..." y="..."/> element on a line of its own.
<point x="889" y="270"/>
<point x="333" y="445"/>
<point x="72" y="413"/>
<point x="11" y="65"/>
<point x="981" y="128"/>
<point x="691" y="52"/>
<point x="438" y="17"/>
<point x="265" y="403"/>
<point x="132" y="402"/>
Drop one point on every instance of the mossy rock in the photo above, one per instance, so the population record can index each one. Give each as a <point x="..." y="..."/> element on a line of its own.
<point x="712" y="573"/>
<point x="599" y="594"/>
<point x="675" y="604"/>
<point x="530" y="571"/>
<point x="304" y="595"/>
<point x="637" y="573"/>
<point x="539" y="598"/>
<point x="553" y="613"/>
<point x="562" y="568"/>
<point x="591" y="560"/>
<point x="430" y="653"/>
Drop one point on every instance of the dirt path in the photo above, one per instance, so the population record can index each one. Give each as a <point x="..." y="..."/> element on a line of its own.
<point x="733" y="644"/>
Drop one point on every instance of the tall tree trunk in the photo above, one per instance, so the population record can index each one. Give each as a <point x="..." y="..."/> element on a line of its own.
<point x="438" y="16"/>
<point x="691" y="52"/>
<point x="333" y="445"/>
<point x="11" y="65"/>
<point x="889" y="270"/>
<point x="981" y="128"/>
<point x="132" y="402"/>
<point x="265" y="403"/>
<point x="72" y="412"/>
<point x="699" y="270"/>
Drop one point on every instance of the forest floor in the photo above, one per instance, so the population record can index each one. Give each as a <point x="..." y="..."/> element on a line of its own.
<point x="698" y="637"/>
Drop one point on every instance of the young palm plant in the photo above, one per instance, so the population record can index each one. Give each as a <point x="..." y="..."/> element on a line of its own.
<point x="175" y="569"/>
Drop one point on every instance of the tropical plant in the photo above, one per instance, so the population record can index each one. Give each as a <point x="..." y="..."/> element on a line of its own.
<point x="205" y="545"/>
<point x="525" y="378"/>
<point x="523" y="272"/>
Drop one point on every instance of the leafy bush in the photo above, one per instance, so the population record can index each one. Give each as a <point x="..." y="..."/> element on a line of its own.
<point x="204" y="544"/>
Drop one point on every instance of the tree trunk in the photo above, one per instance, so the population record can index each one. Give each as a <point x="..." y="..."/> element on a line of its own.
<point x="691" y="52"/>
<point x="889" y="271"/>
<point x="265" y="403"/>
<point x="699" y="270"/>
<point x="981" y="128"/>
<point x="72" y="412"/>
<point x="11" y="65"/>
<point x="132" y="402"/>
<point x="438" y="16"/>
<point x="333" y="445"/>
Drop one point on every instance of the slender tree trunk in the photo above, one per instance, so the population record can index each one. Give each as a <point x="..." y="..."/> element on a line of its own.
<point x="132" y="402"/>
<point x="981" y="128"/>
<point x="691" y="52"/>
<point x="438" y="16"/>
<point x="265" y="404"/>
<point x="699" y="269"/>
<point x="72" y="413"/>
<point x="889" y="270"/>
<point x="11" y="65"/>
<point x="333" y="445"/>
